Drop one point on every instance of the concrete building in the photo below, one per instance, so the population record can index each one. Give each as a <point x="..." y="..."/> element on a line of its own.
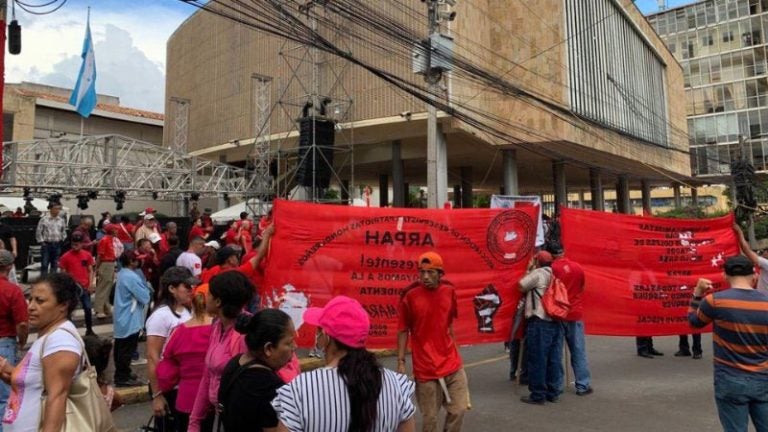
<point x="36" y="111"/>
<point x="619" y="121"/>
<point x="721" y="45"/>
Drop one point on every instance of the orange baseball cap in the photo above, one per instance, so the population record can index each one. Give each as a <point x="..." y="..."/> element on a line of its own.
<point x="201" y="289"/>
<point x="430" y="261"/>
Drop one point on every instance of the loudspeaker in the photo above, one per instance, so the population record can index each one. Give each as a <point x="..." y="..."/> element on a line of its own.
<point x="320" y="156"/>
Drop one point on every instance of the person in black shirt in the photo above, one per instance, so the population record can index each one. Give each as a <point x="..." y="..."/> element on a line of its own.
<point x="9" y="239"/>
<point x="169" y="260"/>
<point x="250" y="381"/>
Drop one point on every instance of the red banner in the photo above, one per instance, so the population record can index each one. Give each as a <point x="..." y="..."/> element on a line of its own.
<point x="370" y="254"/>
<point x="640" y="271"/>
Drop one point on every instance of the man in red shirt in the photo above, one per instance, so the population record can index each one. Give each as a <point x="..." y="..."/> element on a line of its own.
<point x="171" y="230"/>
<point x="108" y="250"/>
<point x="78" y="263"/>
<point x="14" y="327"/>
<point x="572" y="276"/>
<point x="426" y="313"/>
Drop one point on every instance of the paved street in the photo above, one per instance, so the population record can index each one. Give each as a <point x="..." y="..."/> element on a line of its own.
<point x="631" y="393"/>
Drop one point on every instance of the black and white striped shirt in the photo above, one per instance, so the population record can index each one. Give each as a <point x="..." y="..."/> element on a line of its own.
<point x="318" y="401"/>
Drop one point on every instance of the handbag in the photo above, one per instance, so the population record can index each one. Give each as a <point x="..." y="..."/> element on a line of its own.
<point x="86" y="410"/>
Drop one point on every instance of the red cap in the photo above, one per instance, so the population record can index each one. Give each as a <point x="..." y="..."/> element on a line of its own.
<point x="544" y="257"/>
<point x="343" y="319"/>
<point x="430" y="261"/>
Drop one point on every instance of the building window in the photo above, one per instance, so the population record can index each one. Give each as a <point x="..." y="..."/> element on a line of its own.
<point x="616" y="79"/>
<point x="8" y="127"/>
<point x="727" y="36"/>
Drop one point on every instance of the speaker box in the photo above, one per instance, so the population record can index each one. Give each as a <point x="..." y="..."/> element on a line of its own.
<point x="320" y="156"/>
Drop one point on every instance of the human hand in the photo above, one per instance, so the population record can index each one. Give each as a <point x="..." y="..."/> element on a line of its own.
<point x="159" y="405"/>
<point x="703" y="286"/>
<point x="401" y="366"/>
<point x="269" y="231"/>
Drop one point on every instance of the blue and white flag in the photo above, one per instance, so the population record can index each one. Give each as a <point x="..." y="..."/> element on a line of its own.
<point x="84" y="95"/>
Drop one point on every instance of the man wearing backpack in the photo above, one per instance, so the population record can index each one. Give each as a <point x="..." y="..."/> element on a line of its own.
<point x="572" y="275"/>
<point x="543" y="336"/>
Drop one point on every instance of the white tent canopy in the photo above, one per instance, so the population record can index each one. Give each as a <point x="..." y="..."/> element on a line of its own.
<point x="232" y="213"/>
<point x="11" y="203"/>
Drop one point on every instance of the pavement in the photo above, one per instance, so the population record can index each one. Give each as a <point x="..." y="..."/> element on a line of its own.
<point x="631" y="393"/>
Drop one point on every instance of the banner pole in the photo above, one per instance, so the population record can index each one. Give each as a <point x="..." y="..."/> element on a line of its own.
<point x="566" y="360"/>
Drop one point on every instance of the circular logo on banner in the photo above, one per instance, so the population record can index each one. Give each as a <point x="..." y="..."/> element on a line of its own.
<point x="511" y="235"/>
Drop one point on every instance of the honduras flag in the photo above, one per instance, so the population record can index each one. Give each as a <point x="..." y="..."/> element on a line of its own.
<point x="84" y="95"/>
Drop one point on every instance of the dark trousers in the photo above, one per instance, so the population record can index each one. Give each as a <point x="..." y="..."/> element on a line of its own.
<point x="49" y="257"/>
<point x="124" y="348"/>
<point x="544" y="343"/>
<point x="172" y="421"/>
<point x="85" y="299"/>
<point x="684" y="347"/>
<point x="644" y="344"/>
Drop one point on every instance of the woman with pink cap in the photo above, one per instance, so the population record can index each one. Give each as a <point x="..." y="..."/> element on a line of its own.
<point x="353" y="392"/>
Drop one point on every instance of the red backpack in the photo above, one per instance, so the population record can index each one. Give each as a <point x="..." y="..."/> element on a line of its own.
<point x="555" y="299"/>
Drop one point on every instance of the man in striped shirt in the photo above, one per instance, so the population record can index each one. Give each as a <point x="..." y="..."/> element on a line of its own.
<point x="740" y="339"/>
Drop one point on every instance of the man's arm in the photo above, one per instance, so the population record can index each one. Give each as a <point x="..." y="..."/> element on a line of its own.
<point x="744" y="245"/>
<point x="22" y="333"/>
<point x="263" y="247"/>
<point x="402" y="343"/>
<point x="701" y="311"/>
<point x="39" y="231"/>
<point x="14" y="247"/>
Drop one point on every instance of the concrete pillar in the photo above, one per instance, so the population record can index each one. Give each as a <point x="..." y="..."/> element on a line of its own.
<point x="406" y="190"/>
<point x="398" y="176"/>
<point x="345" y="192"/>
<point x="695" y="196"/>
<point x="623" y="204"/>
<point x="560" y="187"/>
<point x="509" y="167"/>
<point x="466" y="187"/>
<point x="223" y="203"/>
<point x="437" y="188"/>
<point x="582" y="200"/>
<point x="383" y="190"/>
<point x="457" y="196"/>
<point x="676" y="191"/>
<point x="646" y="194"/>
<point x="596" y="189"/>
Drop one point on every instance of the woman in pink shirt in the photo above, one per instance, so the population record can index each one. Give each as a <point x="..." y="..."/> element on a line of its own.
<point x="228" y="294"/>
<point x="183" y="360"/>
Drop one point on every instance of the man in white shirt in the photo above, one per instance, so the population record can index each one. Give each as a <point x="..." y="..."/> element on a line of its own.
<point x="757" y="260"/>
<point x="191" y="258"/>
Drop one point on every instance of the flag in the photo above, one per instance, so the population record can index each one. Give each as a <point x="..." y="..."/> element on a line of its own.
<point x="84" y="95"/>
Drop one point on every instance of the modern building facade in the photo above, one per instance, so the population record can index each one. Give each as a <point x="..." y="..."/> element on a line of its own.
<point x="721" y="45"/>
<point x="616" y="88"/>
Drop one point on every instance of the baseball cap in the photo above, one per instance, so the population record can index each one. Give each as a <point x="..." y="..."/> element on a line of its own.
<point x="110" y="228"/>
<point x="154" y="237"/>
<point x="149" y="216"/>
<point x="544" y="257"/>
<point x="6" y="258"/>
<point x="343" y="319"/>
<point x="225" y="253"/>
<point x="176" y="275"/>
<point x="147" y="211"/>
<point x="201" y="289"/>
<point x="430" y="261"/>
<point x="739" y="265"/>
<point x="77" y="237"/>
<point x="214" y="244"/>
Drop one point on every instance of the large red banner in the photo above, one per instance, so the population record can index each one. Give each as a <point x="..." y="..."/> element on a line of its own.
<point x="370" y="254"/>
<point x="640" y="271"/>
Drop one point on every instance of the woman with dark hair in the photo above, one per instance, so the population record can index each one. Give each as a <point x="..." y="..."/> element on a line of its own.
<point x="171" y="309"/>
<point x="353" y="392"/>
<point x="196" y="230"/>
<point x="250" y="380"/>
<point x="57" y="353"/>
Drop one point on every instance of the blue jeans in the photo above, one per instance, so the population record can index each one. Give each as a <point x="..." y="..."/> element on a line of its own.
<point x="544" y="343"/>
<point x="574" y="336"/>
<point x="7" y="351"/>
<point x="739" y="397"/>
<point x="85" y="299"/>
<point x="49" y="257"/>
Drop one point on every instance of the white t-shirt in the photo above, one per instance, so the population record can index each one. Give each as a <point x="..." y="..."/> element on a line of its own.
<point x="190" y="261"/>
<point x="22" y="413"/>
<point x="163" y="321"/>
<point x="318" y="401"/>
<point x="762" y="281"/>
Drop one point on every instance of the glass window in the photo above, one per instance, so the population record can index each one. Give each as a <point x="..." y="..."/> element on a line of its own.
<point x="733" y="11"/>
<point x="746" y="33"/>
<point x="762" y="92"/>
<point x="739" y="95"/>
<point x="701" y="19"/>
<point x="733" y="127"/>
<point x="689" y="103"/>
<point x="764" y="5"/>
<point x="760" y="66"/>
<point x="711" y="16"/>
<point x="743" y="8"/>
<point x="708" y="102"/>
<point x="726" y="70"/>
<point x="691" y="15"/>
<point x="680" y="19"/>
<point x="728" y="97"/>
<point x="698" y="102"/>
<point x="758" y="155"/>
<point x="691" y="140"/>
<point x="754" y="124"/>
<point x="748" y="63"/>
<point x="754" y="7"/>
<point x="714" y="69"/>
<point x="752" y="101"/>
<point x="705" y="75"/>
<point x="700" y="132"/>
<point x="718" y="101"/>
<point x="695" y="73"/>
<point x="722" y="128"/>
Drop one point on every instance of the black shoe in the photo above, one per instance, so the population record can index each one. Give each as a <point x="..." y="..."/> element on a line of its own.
<point x="656" y="353"/>
<point x="645" y="354"/>
<point x="130" y="383"/>
<point x="134" y="376"/>
<point x="683" y="353"/>
<point x="697" y="356"/>
<point x="528" y="400"/>
<point x="588" y="391"/>
<point x="555" y="399"/>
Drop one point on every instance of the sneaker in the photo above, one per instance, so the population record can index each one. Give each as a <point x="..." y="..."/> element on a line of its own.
<point x="130" y="383"/>
<point x="683" y="353"/>
<point x="655" y="352"/>
<point x="101" y="316"/>
<point x="554" y="399"/>
<point x="588" y="391"/>
<point x="697" y="356"/>
<point x="528" y="400"/>
<point x="139" y="362"/>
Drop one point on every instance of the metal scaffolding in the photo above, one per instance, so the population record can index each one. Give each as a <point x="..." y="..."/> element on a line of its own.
<point x="180" y="124"/>
<point x="263" y="189"/>
<point x="110" y="163"/>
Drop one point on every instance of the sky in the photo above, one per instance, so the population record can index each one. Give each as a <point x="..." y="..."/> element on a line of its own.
<point x="129" y="38"/>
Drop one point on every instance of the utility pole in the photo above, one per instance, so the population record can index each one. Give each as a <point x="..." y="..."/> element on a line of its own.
<point x="746" y="156"/>
<point x="3" y="18"/>
<point x="437" y="160"/>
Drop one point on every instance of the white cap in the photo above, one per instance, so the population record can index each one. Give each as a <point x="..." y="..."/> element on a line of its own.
<point x="149" y="217"/>
<point x="214" y="244"/>
<point x="154" y="237"/>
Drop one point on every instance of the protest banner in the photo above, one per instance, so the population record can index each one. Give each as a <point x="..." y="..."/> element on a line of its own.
<point x="370" y="254"/>
<point x="515" y="201"/>
<point x="640" y="271"/>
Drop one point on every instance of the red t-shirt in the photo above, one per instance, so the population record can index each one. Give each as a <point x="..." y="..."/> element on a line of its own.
<point x="76" y="264"/>
<point x="105" y="250"/>
<point x="229" y="239"/>
<point x="196" y="231"/>
<point x="428" y="315"/>
<point x="246" y="269"/>
<point x="125" y="232"/>
<point x="572" y="275"/>
<point x="13" y="308"/>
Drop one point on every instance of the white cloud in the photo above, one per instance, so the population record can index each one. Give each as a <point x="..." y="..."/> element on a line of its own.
<point x="129" y="48"/>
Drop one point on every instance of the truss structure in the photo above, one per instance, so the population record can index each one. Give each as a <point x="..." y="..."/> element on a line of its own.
<point x="110" y="163"/>
<point x="263" y="189"/>
<point x="180" y="124"/>
<point x="313" y="77"/>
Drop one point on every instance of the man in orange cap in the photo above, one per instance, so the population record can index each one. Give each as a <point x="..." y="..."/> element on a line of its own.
<point x="426" y="313"/>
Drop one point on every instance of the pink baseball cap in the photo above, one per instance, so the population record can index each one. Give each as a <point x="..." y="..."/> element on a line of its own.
<point x="343" y="319"/>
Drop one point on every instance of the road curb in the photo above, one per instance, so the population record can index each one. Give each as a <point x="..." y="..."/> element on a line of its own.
<point x="137" y="395"/>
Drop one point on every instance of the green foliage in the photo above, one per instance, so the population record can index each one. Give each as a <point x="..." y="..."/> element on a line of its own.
<point x="691" y="213"/>
<point x="332" y="195"/>
<point x="481" y="201"/>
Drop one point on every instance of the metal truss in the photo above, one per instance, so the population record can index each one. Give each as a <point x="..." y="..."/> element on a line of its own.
<point x="180" y="124"/>
<point x="263" y="189"/>
<point x="110" y="163"/>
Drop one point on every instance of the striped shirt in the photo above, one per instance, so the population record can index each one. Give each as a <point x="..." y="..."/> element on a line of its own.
<point x="740" y="329"/>
<point x="51" y="229"/>
<point x="318" y="401"/>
